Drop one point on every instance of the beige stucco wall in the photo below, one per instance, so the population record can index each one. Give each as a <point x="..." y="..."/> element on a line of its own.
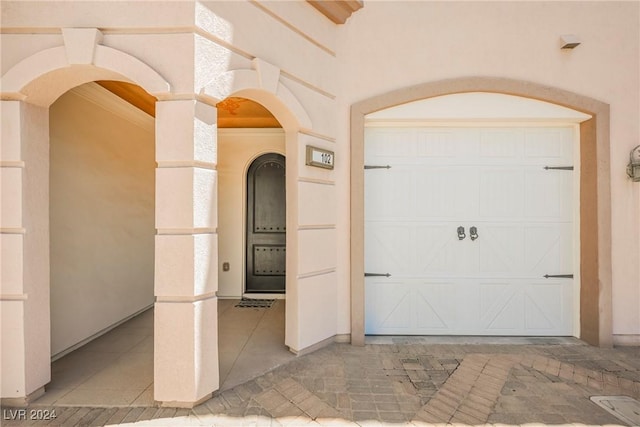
<point x="310" y="86"/>
<point x="237" y="148"/>
<point x="24" y="181"/>
<point x="102" y="177"/>
<point x="179" y="52"/>
<point x="515" y="40"/>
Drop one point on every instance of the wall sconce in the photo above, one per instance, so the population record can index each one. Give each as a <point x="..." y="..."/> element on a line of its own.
<point x="569" y="41"/>
<point x="633" y="168"/>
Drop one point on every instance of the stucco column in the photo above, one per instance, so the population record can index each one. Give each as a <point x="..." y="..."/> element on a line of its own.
<point x="186" y="276"/>
<point x="24" y="252"/>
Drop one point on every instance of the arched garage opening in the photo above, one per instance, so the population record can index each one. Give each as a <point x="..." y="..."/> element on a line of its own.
<point x="595" y="234"/>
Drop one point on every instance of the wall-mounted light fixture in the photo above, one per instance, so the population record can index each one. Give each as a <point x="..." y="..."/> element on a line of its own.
<point x="569" y="41"/>
<point x="633" y="168"/>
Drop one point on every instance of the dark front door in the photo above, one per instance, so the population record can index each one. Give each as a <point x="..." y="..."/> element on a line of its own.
<point x="266" y="224"/>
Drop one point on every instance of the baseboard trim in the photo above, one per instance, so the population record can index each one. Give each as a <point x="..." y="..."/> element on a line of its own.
<point x="181" y="405"/>
<point x="343" y="338"/>
<point x="98" y="334"/>
<point x="340" y="338"/>
<point x="22" y="402"/>
<point x="631" y="340"/>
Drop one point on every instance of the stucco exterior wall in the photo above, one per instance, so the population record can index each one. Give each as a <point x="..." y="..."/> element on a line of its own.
<point x="25" y="195"/>
<point x="308" y="72"/>
<point x="237" y="148"/>
<point x="189" y="55"/>
<point x="515" y="40"/>
<point x="102" y="179"/>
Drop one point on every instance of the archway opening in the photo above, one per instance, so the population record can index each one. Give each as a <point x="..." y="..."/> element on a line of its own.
<point x="251" y="319"/>
<point x="102" y="231"/>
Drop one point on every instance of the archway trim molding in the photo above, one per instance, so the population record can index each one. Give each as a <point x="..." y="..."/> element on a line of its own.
<point x="16" y="82"/>
<point x="595" y="192"/>
<point x="28" y="89"/>
<point x="260" y="85"/>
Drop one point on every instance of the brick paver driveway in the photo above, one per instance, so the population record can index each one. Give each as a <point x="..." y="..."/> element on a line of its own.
<point x="413" y="384"/>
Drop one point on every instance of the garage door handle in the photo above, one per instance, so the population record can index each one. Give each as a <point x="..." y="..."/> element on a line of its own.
<point x="461" y="233"/>
<point x="377" y="275"/>
<point x="473" y="232"/>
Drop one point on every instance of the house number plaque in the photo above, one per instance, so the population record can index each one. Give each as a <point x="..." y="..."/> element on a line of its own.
<point x="319" y="157"/>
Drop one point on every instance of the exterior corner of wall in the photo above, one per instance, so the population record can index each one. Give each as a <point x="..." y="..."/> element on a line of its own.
<point x="12" y="349"/>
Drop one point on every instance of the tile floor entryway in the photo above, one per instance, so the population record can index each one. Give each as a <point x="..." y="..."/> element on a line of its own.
<point x="250" y="340"/>
<point x="117" y="368"/>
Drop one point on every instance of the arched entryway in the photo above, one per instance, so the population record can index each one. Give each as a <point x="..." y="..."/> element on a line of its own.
<point x="29" y="90"/>
<point x="185" y="270"/>
<point x="251" y="181"/>
<point x="247" y="131"/>
<point x="102" y="231"/>
<point x="595" y="227"/>
<point x="296" y="130"/>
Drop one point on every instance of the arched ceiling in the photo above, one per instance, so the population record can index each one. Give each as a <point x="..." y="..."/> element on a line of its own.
<point x="133" y="94"/>
<point x="236" y="112"/>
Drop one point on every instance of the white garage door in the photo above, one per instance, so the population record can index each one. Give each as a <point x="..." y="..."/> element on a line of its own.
<point x="493" y="179"/>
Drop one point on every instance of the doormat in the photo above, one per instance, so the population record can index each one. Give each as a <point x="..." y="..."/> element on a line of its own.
<point x="624" y="408"/>
<point x="255" y="303"/>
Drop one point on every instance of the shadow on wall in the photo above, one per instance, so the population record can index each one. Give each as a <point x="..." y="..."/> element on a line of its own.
<point x="102" y="195"/>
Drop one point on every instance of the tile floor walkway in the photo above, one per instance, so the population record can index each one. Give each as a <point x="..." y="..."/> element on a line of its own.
<point x="251" y="341"/>
<point x="407" y="382"/>
<point x="117" y="368"/>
